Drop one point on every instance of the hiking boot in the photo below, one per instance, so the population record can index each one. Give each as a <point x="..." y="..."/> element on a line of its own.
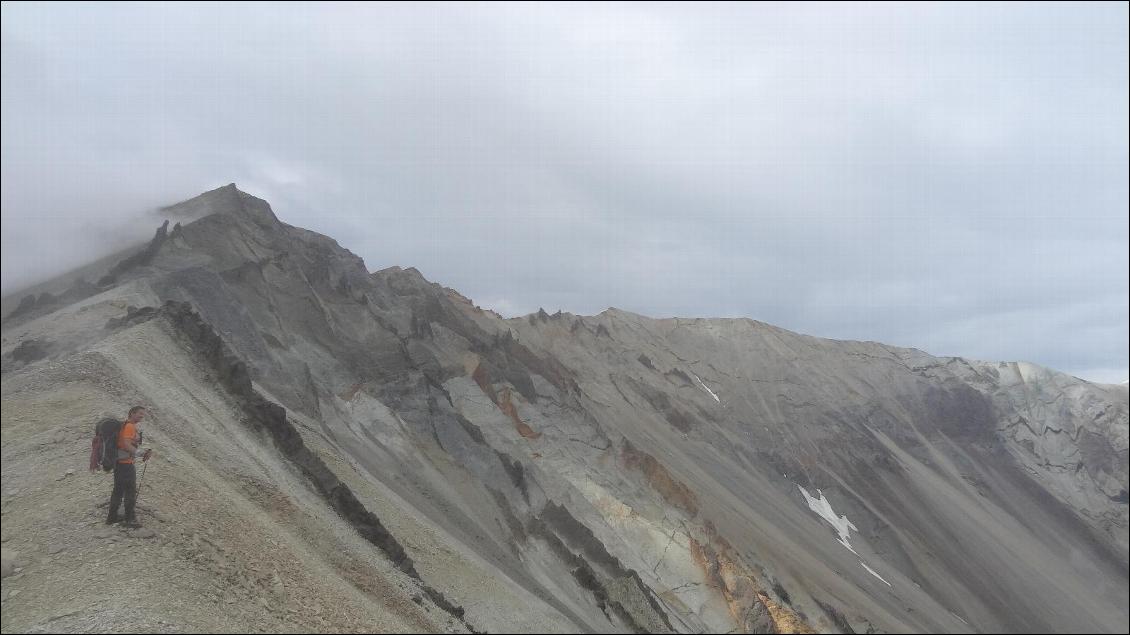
<point x="113" y="520"/>
<point x="131" y="523"/>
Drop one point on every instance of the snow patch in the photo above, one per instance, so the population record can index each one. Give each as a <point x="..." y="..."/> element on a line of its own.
<point x="959" y="617"/>
<point x="823" y="509"/>
<point x="872" y="572"/>
<point x="706" y="388"/>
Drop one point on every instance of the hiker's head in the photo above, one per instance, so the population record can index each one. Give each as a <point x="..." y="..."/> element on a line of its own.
<point x="136" y="414"/>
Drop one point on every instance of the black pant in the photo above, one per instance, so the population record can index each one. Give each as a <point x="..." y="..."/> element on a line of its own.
<point x="125" y="483"/>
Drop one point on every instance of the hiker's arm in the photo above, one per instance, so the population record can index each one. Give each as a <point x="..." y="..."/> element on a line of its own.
<point x="135" y="448"/>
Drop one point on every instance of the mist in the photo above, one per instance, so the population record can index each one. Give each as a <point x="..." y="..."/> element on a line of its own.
<point x="947" y="177"/>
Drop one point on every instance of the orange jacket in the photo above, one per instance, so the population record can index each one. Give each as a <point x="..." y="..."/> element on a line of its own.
<point x="128" y="434"/>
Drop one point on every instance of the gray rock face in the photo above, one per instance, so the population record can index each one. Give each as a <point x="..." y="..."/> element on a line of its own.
<point x="655" y="475"/>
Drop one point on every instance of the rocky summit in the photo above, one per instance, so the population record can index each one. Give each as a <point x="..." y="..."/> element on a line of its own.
<point x="346" y="450"/>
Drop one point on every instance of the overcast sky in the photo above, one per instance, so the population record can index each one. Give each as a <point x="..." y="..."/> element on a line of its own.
<point x="948" y="177"/>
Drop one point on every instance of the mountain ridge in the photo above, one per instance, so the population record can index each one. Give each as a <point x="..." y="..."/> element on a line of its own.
<point x="628" y="473"/>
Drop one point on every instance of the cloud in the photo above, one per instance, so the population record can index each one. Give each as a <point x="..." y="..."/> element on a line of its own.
<point x="950" y="177"/>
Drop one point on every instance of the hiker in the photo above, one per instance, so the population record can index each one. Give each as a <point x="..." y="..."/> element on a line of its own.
<point x="125" y="475"/>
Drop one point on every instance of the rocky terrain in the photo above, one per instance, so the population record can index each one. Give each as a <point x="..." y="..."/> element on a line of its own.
<point x="346" y="450"/>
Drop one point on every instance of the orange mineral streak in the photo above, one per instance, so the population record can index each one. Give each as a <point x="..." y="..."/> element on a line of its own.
<point x="482" y="378"/>
<point x="734" y="581"/>
<point x="503" y="400"/>
<point x="784" y="620"/>
<point x="660" y="479"/>
<point x="506" y="404"/>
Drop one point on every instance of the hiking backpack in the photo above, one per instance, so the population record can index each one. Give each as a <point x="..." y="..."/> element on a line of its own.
<point x="104" y="445"/>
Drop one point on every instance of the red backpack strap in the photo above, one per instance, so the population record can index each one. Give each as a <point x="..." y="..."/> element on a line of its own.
<point x="96" y="453"/>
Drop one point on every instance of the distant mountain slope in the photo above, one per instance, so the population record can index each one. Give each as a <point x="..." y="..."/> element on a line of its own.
<point x="347" y="450"/>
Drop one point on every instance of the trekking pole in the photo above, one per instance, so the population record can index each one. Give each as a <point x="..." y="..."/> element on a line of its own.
<point x="140" y="481"/>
